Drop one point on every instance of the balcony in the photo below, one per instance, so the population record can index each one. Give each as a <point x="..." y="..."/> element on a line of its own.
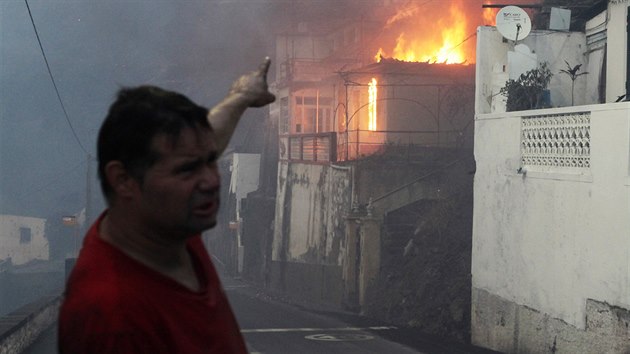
<point x="313" y="148"/>
<point x="356" y="144"/>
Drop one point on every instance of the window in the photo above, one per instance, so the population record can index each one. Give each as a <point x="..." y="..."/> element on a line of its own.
<point x="312" y="112"/>
<point x="25" y="235"/>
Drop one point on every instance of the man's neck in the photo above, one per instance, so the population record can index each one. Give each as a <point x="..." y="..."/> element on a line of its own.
<point x="166" y="255"/>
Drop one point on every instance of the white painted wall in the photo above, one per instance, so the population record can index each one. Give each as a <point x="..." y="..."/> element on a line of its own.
<point x="10" y="245"/>
<point x="278" y="251"/>
<point x="497" y="62"/>
<point x="616" y="59"/>
<point x="245" y="178"/>
<point x="245" y="173"/>
<point x="318" y="197"/>
<point x="596" y="44"/>
<point x="550" y="240"/>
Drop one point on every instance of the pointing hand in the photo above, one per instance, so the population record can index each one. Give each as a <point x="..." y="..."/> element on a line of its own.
<point x="253" y="86"/>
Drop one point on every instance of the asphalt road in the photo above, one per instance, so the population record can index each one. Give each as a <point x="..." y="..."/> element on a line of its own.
<point x="272" y="326"/>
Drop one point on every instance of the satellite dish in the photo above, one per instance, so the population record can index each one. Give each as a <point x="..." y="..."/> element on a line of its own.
<point x="513" y="23"/>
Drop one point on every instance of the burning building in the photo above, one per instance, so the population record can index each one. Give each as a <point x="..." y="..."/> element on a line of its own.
<point x="397" y="103"/>
<point x="361" y="119"/>
<point x="348" y="89"/>
<point x="375" y="120"/>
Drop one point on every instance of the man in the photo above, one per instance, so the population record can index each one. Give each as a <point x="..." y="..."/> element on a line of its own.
<point x="143" y="283"/>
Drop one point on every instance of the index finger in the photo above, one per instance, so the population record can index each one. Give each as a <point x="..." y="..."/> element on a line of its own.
<point x="264" y="67"/>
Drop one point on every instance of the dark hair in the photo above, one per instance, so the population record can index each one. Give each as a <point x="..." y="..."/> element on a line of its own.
<point x="134" y="119"/>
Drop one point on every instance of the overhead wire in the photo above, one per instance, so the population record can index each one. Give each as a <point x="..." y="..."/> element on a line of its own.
<point x="462" y="42"/>
<point x="63" y="107"/>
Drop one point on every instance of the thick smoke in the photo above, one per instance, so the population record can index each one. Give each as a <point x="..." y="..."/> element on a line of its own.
<point x="93" y="48"/>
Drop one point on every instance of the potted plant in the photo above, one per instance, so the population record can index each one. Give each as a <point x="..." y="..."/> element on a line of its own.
<point x="529" y="90"/>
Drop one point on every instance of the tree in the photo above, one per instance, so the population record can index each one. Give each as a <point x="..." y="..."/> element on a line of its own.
<point x="573" y="74"/>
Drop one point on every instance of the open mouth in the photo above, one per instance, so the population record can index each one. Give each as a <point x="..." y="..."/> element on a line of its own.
<point x="206" y="209"/>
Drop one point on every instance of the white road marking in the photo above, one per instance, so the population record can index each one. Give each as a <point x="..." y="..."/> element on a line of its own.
<point x="229" y="287"/>
<point x="251" y="349"/>
<point x="281" y="330"/>
<point x="349" y="337"/>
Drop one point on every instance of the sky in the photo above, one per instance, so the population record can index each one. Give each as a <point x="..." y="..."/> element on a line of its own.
<point x="93" y="48"/>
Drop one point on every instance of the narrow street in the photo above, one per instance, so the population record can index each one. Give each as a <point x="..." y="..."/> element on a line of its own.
<point x="275" y="327"/>
<point x="271" y="326"/>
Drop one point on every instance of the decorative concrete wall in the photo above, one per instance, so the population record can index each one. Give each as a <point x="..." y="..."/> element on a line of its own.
<point x="551" y="221"/>
<point x="22" y="239"/>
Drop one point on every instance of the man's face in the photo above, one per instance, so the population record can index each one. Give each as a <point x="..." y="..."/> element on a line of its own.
<point x="180" y="192"/>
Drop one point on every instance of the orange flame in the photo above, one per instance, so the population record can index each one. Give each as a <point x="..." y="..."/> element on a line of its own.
<point x="440" y="46"/>
<point x="372" y="97"/>
<point x="489" y="16"/>
<point x="379" y="55"/>
<point x="437" y="31"/>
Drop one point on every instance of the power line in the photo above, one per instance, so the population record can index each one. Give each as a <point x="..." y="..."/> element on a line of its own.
<point x="63" y="107"/>
<point x="462" y="42"/>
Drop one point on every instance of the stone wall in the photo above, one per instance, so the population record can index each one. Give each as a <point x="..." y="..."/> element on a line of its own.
<point x="315" y="283"/>
<point x="20" y="328"/>
<point x="509" y="327"/>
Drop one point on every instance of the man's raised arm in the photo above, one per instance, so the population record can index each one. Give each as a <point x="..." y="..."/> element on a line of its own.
<point x="250" y="90"/>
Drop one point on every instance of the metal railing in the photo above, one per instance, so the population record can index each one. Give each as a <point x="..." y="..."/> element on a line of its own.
<point x="332" y="147"/>
<point x="360" y="143"/>
<point x="316" y="147"/>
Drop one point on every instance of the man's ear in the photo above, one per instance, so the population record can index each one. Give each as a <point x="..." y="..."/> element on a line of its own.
<point x="122" y="183"/>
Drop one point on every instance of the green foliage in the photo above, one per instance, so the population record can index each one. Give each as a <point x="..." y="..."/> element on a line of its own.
<point x="572" y="72"/>
<point x="527" y="91"/>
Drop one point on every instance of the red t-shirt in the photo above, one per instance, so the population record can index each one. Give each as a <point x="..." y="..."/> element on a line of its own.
<point x="114" y="304"/>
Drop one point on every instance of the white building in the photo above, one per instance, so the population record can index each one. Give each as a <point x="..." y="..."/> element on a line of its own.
<point x="244" y="179"/>
<point x="551" y="233"/>
<point x="22" y="239"/>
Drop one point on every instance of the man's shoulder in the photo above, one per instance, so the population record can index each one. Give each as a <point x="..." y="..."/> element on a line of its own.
<point x="103" y="315"/>
<point x="105" y="305"/>
<point x="103" y="278"/>
<point x="106" y="294"/>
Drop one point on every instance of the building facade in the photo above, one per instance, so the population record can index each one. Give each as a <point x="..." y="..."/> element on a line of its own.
<point x="22" y="239"/>
<point x="360" y="139"/>
<point x="551" y="222"/>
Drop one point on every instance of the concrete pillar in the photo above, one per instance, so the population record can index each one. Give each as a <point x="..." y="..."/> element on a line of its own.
<point x="370" y="262"/>
<point x="351" y="264"/>
<point x="362" y="260"/>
